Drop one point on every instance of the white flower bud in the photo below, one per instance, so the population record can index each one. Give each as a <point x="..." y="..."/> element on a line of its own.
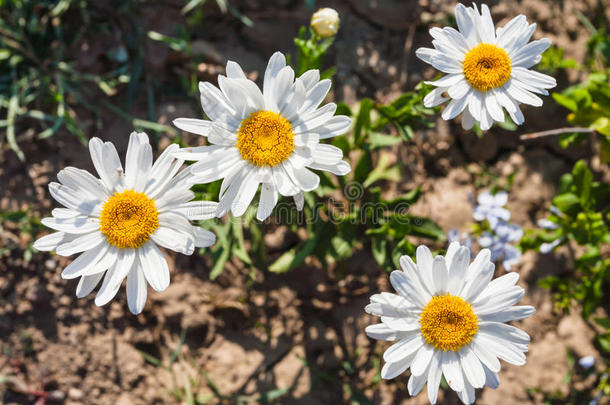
<point x="325" y="22"/>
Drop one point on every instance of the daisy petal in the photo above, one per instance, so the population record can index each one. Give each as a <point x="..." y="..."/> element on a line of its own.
<point x="452" y="370"/>
<point x="136" y="290"/>
<point x="381" y="331"/>
<point x="86" y="284"/>
<point x="80" y="243"/>
<point x="440" y="275"/>
<point x="510" y="314"/>
<point x="267" y="202"/>
<point x="406" y="346"/>
<point x="435" y="373"/>
<point x="472" y="367"/>
<point x="50" y="242"/>
<point x="422" y="360"/>
<point x="416" y="383"/>
<point x="175" y="240"/>
<point x="154" y="266"/>
<point x="84" y="261"/>
<point x="528" y="55"/>
<point x="203" y="238"/>
<point x="486" y="356"/>
<point x="393" y="370"/>
<point x="194" y="126"/>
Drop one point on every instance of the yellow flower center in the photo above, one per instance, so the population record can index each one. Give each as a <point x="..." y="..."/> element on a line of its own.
<point x="265" y="138"/>
<point x="486" y="67"/>
<point x="448" y="322"/>
<point x="128" y="219"/>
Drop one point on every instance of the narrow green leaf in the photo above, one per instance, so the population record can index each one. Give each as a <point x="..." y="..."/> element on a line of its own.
<point x="13" y="107"/>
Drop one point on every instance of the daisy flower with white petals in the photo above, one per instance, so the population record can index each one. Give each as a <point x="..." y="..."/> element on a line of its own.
<point x="270" y="137"/>
<point x="488" y="69"/>
<point x="118" y="221"/>
<point x="448" y="318"/>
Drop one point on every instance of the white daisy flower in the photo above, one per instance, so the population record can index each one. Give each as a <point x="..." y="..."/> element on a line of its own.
<point x="269" y="137"/>
<point x="448" y="318"/>
<point x="118" y="220"/>
<point x="487" y="69"/>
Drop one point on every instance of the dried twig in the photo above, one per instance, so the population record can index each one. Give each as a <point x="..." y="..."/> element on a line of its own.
<point x="407" y="51"/>
<point x="558" y="131"/>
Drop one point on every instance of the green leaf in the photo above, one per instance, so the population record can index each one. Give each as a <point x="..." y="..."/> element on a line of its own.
<point x="379" y="140"/>
<point x="604" y="342"/>
<point x="404" y="247"/>
<point x="603" y="322"/>
<point x="604" y="150"/>
<point x="294" y="257"/>
<point x="427" y="228"/>
<point x="583" y="179"/>
<point x="151" y="359"/>
<point x="363" y="120"/>
<point x="574" y="138"/>
<point x="219" y="257"/>
<point x="567" y="203"/>
<point x="382" y="172"/>
<point x="565" y="101"/>
<point x="403" y="201"/>
<point x="341" y="249"/>
<point x="222" y="249"/>
<point x="177" y="44"/>
<point x="363" y="167"/>
<point x="13" y="107"/>
<point x="379" y="248"/>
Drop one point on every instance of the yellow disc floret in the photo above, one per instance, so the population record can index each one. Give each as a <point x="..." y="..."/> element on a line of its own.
<point x="448" y="322"/>
<point x="486" y="67"/>
<point x="265" y="138"/>
<point x="128" y="219"/>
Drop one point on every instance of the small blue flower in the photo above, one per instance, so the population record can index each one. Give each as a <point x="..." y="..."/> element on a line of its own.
<point x="491" y="208"/>
<point x="547" y="224"/>
<point x="500" y="245"/>
<point x="586" y="362"/>
<point x="465" y="240"/>
<point x="550" y="225"/>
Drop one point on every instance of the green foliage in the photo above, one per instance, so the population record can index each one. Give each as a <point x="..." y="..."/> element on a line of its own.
<point x="590" y="106"/>
<point x="362" y="216"/>
<point x="598" y="45"/>
<point x="581" y="208"/>
<point x="582" y="216"/>
<point x="223" y="5"/>
<point x="311" y="49"/>
<point x="405" y="114"/>
<point x="553" y="60"/>
<point x="589" y="102"/>
<point x="23" y="224"/>
<point x="42" y="89"/>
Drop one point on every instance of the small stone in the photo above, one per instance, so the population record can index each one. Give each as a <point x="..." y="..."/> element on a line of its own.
<point x="75" y="393"/>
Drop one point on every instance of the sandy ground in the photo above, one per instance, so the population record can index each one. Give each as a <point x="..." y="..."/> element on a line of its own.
<point x="303" y="331"/>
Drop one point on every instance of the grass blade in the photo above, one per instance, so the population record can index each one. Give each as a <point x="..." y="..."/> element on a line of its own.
<point x="13" y="107"/>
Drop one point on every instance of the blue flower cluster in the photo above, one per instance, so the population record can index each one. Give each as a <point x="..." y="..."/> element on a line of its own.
<point x="502" y="235"/>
